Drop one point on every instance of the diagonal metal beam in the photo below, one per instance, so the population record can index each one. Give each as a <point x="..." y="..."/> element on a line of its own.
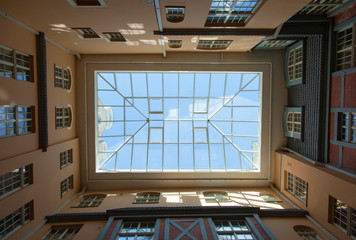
<point x="237" y="148"/>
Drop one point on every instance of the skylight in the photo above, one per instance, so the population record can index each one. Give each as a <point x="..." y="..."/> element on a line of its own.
<point x="178" y="121"/>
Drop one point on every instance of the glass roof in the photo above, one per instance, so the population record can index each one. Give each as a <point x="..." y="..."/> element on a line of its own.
<point x="178" y="121"/>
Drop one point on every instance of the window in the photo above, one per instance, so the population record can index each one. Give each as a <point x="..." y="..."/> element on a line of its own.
<point x="92" y="200"/>
<point x="345" y="48"/>
<point x="14" y="64"/>
<point x="216" y="197"/>
<point x="62" y="78"/>
<point x="175" y="14"/>
<point x="297" y="187"/>
<point x="86" y="3"/>
<point x="15" y="180"/>
<point x="136" y="230"/>
<point x="237" y="229"/>
<point x="66" y="185"/>
<point x="293" y="122"/>
<point x="306" y="233"/>
<point x="175" y="43"/>
<point x="274" y="44"/>
<point x="232" y="13"/>
<point x="15" y="220"/>
<point x="66" y="158"/>
<point x="320" y="7"/>
<point x="213" y="45"/>
<point x="294" y="64"/>
<point x="63" y="117"/>
<point x="343" y="216"/>
<point x="269" y="197"/>
<point x="178" y="121"/>
<point x="114" y="37"/>
<point x="347" y="127"/>
<point x="62" y="232"/>
<point x="86" y="33"/>
<point x="147" y="197"/>
<point x="16" y="120"/>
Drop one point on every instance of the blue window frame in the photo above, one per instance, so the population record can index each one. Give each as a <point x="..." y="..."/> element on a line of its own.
<point x="294" y="64"/>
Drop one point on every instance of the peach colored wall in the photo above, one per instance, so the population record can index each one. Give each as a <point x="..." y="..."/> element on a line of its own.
<point x="16" y="92"/>
<point x="282" y="228"/>
<point x="89" y="230"/>
<point x="19" y="151"/>
<point x="180" y="197"/>
<point x="45" y="190"/>
<point x="322" y="183"/>
<point x="58" y="97"/>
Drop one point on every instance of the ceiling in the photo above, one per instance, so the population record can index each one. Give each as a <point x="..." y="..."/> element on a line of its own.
<point x="137" y="20"/>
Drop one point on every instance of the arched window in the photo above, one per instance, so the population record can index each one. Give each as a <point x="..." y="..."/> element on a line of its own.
<point x="62" y="77"/>
<point x="268" y="197"/>
<point x="147" y="197"/>
<point x="63" y="117"/>
<point x="306" y="232"/>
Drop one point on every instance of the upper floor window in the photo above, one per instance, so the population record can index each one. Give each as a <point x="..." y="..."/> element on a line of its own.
<point x="92" y="200"/>
<point x="294" y="64"/>
<point x="293" y="122"/>
<point x="62" y="78"/>
<point x="213" y="44"/>
<point x="147" y="197"/>
<point x="66" y="158"/>
<point x="347" y="127"/>
<point x="63" y="117"/>
<point x="237" y="229"/>
<point x="232" y="13"/>
<point x="343" y="215"/>
<point x="86" y="33"/>
<point x="216" y="197"/>
<point x="15" y="180"/>
<point x="175" y="43"/>
<point x="15" y="220"/>
<point x="269" y="197"/>
<point x="63" y="232"/>
<point x="16" y="120"/>
<point x="345" y="48"/>
<point x="66" y="185"/>
<point x="175" y="14"/>
<point x="114" y="37"/>
<point x="306" y="232"/>
<point x="297" y="186"/>
<point x="14" y="64"/>
<point x="136" y="230"/>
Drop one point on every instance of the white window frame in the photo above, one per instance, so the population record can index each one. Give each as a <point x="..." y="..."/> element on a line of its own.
<point x="64" y="232"/>
<point x="62" y="77"/>
<point x="17" y="122"/>
<point x="15" y="180"/>
<point x="147" y="197"/>
<point x="91" y="200"/>
<point x="293" y="122"/>
<point x="63" y="117"/>
<point x="66" y="185"/>
<point x="235" y="228"/>
<point x="345" y="51"/>
<point x="215" y="197"/>
<point x="175" y="14"/>
<point x="347" y="127"/>
<point x="294" y="64"/>
<point x="16" y="220"/>
<point x="213" y="44"/>
<point x="297" y="187"/>
<point x="338" y="208"/>
<point x="306" y="232"/>
<point x="66" y="158"/>
<point x="139" y="231"/>
<point x="21" y="64"/>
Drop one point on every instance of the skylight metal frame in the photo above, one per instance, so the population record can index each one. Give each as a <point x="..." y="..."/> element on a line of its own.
<point x="226" y="101"/>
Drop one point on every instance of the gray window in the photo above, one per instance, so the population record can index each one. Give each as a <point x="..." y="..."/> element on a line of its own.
<point x="306" y="233"/>
<point x="147" y="197"/>
<point x="15" y="180"/>
<point x="345" y="48"/>
<point x="294" y="64"/>
<point x="136" y="230"/>
<point x="62" y="232"/>
<point x="14" y="64"/>
<point x="344" y="216"/>
<point x="66" y="185"/>
<point x="297" y="186"/>
<point x="66" y="158"/>
<point x="92" y="200"/>
<point x="347" y="127"/>
<point x="293" y="122"/>
<point x="233" y="229"/>
<point x="15" y="220"/>
<point x="62" y="78"/>
<point x="216" y="197"/>
<point x="63" y="117"/>
<point x="16" y="120"/>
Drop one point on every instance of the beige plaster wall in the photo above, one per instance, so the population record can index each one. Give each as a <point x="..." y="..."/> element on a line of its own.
<point x="322" y="183"/>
